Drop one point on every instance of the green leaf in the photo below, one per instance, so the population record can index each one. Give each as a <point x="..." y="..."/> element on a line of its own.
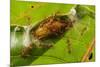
<point x="70" y="47"/>
<point x="22" y="11"/>
<point x="85" y="10"/>
<point x="78" y="44"/>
